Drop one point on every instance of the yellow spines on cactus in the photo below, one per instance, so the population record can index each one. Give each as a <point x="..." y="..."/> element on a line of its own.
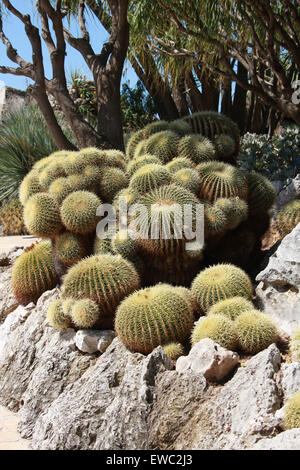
<point x="116" y="159"/>
<point x="215" y="220"/>
<point x="150" y="177"/>
<point x="33" y="273"/>
<point x="133" y="141"/>
<point x="69" y="247"/>
<point x="57" y="317"/>
<point x="154" y="128"/>
<point x="163" y="145"/>
<point x="78" y="212"/>
<point x="235" y="210"/>
<point x="140" y="149"/>
<point x="49" y="174"/>
<point x="261" y="193"/>
<point x="60" y="189"/>
<point x="173" y="350"/>
<point x="29" y="186"/>
<point x="41" y="216"/>
<point x="178" y="163"/>
<point x="124" y="244"/>
<point x="255" y="330"/>
<point x="225" y="147"/>
<point x="220" y="282"/>
<point x="79" y="182"/>
<point x="90" y="156"/>
<point x="197" y="148"/>
<point x="188" y="179"/>
<point x="189" y="296"/>
<point x="288" y="217"/>
<point x="153" y="316"/>
<point x="93" y="174"/>
<point x="295" y="345"/>
<point x="112" y="181"/>
<point x="218" y="328"/>
<point x="292" y="412"/>
<point x="67" y="305"/>
<point x="231" y="307"/>
<point x="137" y="162"/>
<point x="106" y="279"/>
<point x="85" y="313"/>
<point x="72" y="164"/>
<point x="221" y="180"/>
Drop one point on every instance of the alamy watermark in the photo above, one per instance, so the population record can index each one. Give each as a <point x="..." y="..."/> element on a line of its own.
<point x="160" y="221"/>
<point x="296" y="94"/>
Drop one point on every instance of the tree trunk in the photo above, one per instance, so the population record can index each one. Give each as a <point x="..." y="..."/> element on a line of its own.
<point x="239" y="103"/>
<point x="179" y="96"/>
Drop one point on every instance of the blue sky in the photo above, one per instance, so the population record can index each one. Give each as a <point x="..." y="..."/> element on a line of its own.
<point x="14" y="30"/>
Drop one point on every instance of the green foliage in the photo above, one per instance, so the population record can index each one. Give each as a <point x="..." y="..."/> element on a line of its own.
<point x="11" y="218"/>
<point x="24" y="139"/>
<point x="33" y="273"/>
<point x="153" y="316"/>
<point x="220" y="282"/>
<point x="288" y="217"/>
<point x="84" y="90"/>
<point x="173" y="350"/>
<point x="276" y="158"/>
<point x="292" y="412"/>
<point x="218" y="328"/>
<point x="57" y="317"/>
<point x="137" y="107"/>
<point x="255" y="330"/>
<point x="231" y="307"/>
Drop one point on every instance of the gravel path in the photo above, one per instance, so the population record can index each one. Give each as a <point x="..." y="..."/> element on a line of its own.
<point x="10" y="439"/>
<point x="7" y="243"/>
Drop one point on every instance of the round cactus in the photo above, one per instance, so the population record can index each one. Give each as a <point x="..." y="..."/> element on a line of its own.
<point x="138" y="162"/>
<point x="218" y="328"/>
<point x="115" y="159"/>
<point x="79" y="182"/>
<point x="33" y="273"/>
<point x="93" y="173"/>
<point x="78" y="212"/>
<point x="188" y="179"/>
<point x="133" y="141"/>
<point x="29" y="186"/>
<point x="84" y="313"/>
<point x="179" y="163"/>
<point x="220" y="179"/>
<point x="67" y="305"/>
<point x="140" y="149"/>
<point x="151" y="317"/>
<point x="255" y="330"/>
<point x="197" y="148"/>
<point x="215" y="220"/>
<point x="189" y="296"/>
<point x="220" y="282"/>
<point x="180" y="127"/>
<point x="295" y="345"/>
<point x="261" y="194"/>
<point x="90" y="156"/>
<point x="124" y="244"/>
<point x="112" y="181"/>
<point x="150" y="177"/>
<point x="231" y="307"/>
<point x="292" y="412"/>
<point x="52" y="171"/>
<point x="72" y="164"/>
<point x="41" y="216"/>
<point x="288" y="217"/>
<point x="163" y="145"/>
<point x="57" y="317"/>
<point x="225" y="147"/>
<point x="154" y="127"/>
<point x="173" y="350"/>
<point x="106" y="279"/>
<point x="60" y="189"/>
<point x="69" y="248"/>
<point x="235" y="210"/>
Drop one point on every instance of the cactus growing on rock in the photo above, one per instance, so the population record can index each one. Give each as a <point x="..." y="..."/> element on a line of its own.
<point x="288" y="217"/>
<point x="57" y="317"/>
<point x="173" y="350"/>
<point x="33" y="273"/>
<point x="218" y="328"/>
<point x="153" y="316"/>
<point x="255" y="330"/>
<point x="220" y="282"/>
<point x="292" y="412"/>
<point x="85" y="313"/>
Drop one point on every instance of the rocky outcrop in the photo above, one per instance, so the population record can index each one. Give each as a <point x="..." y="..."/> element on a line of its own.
<point x="288" y="194"/>
<point x="279" y="283"/>
<point x="91" y="341"/>
<point x="108" y="407"/>
<point x="210" y="359"/>
<point x="287" y="440"/>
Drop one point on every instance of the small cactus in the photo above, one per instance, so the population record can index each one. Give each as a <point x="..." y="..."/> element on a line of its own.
<point x="69" y="248"/>
<point x="225" y="147"/>
<point x="188" y="179"/>
<point x="220" y="282"/>
<point x="29" y="186"/>
<point x="133" y="141"/>
<point x="112" y="181"/>
<point x="235" y="210"/>
<point x="150" y="177"/>
<point x="179" y="163"/>
<point x="41" y="216"/>
<point x="57" y="317"/>
<point x="78" y="212"/>
<point x="231" y="307"/>
<point x="153" y="316"/>
<point x="215" y="220"/>
<point x="138" y="162"/>
<point x="173" y="350"/>
<point x="60" y="189"/>
<point x="124" y="244"/>
<point x="255" y="330"/>
<point x="33" y="273"/>
<point x="163" y="145"/>
<point x="288" y="217"/>
<point x="84" y="313"/>
<point x="218" y="328"/>
<point x="197" y="148"/>
<point x="261" y="193"/>
<point x="292" y="412"/>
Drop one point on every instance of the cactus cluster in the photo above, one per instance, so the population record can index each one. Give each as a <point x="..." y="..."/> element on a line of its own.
<point x="292" y="412"/>
<point x="288" y="217"/>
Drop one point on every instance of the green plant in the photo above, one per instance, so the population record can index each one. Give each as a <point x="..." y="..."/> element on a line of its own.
<point x="137" y="106"/>
<point x="124" y="244"/>
<point x="215" y="220"/>
<point x="84" y="313"/>
<point x="112" y="181"/>
<point x="220" y="282"/>
<point x="29" y="186"/>
<point x="295" y="345"/>
<point x="235" y="210"/>
<point x="255" y="330"/>
<point x="179" y="163"/>
<point x="197" y="148"/>
<point x="56" y="315"/>
<point x="288" y="217"/>
<point x="11" y="218"/>
<point x="69" y="248"/>
<point x="153" y="316"/>
<point x="149" y="177"/>
<point x="231" y="307"/>
<point x="218" y="328"/>
<point x="225" y="147"/>
<point x="292" y="412"/>
<point x="188" y="179"/>
<point x="133" y="141"/>
<point x="24" y="139"/>
<point x="33" y="273"/>
<point x="78" y="212"/>
<point x="261" y="193"/>
<point x="105" y="279"/>
<point x="163" y="145"/>
<point x="173" y="350"/>
<point x="219" y="180"/>
<point x="138" y="162"/>
<point x="60" y="189"/>
<point x="41" y="216"/>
